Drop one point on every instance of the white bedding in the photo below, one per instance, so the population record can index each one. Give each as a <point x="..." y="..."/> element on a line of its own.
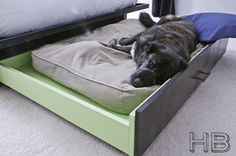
<point x="21" y="16"/>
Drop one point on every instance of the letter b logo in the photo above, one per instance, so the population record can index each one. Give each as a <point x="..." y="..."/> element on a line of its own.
<point x="219" y="142"/>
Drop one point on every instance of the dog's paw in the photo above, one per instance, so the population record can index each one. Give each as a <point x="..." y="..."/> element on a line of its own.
<point x="124" y="41"/>
<point x="112" y="43"/>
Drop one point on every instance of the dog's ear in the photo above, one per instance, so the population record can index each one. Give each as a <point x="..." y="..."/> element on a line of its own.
<point x="183" y="64"/>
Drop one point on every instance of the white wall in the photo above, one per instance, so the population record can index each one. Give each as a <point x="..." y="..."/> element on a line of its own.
<point x="136" y="14"/>
<point x="184" y="7"/>
<point x="149" y="10"/>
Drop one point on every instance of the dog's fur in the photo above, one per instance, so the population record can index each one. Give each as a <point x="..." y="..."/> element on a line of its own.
<point x="160" y="51"/>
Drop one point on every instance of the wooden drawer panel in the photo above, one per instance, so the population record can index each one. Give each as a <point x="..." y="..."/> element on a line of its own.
<point x="158" y="110"/>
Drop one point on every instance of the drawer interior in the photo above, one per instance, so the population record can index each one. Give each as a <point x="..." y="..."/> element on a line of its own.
<point x="23" y="64"/>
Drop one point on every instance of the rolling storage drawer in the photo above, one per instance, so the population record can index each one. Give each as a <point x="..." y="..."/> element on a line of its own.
<point x="132" y="133"/>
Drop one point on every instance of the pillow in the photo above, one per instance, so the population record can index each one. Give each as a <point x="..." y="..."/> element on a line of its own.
<point x="214" y="26"/>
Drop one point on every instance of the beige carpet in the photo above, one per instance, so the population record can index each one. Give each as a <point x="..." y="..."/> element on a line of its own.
<point x="28" y="129"/>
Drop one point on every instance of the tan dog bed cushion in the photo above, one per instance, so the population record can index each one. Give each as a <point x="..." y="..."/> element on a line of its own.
<point x="96" y="71"/>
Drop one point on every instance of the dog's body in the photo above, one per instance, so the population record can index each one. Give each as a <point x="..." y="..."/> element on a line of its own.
<point x="161" y="50"/>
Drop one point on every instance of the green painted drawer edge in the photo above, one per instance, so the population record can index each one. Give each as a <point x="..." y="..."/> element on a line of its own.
<point x="101" y="123"/>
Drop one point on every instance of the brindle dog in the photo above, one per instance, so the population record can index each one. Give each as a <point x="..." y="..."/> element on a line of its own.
<point x="161" y="51"/>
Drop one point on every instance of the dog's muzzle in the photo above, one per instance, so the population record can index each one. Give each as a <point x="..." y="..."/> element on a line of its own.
<point x="142" y="78"/>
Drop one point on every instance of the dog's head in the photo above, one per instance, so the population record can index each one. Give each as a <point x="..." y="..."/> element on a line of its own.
<point x="156" y="63"/>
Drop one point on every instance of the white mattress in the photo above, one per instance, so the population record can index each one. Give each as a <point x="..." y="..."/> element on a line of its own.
<point x="21" y="16"/>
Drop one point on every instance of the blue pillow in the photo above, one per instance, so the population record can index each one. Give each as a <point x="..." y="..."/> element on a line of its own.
<point x="214" y="26"/>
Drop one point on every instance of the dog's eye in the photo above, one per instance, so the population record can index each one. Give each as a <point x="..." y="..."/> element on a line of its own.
<point x="151" y="64"/>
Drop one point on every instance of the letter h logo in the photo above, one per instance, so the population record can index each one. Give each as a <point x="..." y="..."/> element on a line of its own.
<point x="193" y="142"/>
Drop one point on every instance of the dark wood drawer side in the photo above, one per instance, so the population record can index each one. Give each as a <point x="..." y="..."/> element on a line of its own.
<point x="158" y="110"/>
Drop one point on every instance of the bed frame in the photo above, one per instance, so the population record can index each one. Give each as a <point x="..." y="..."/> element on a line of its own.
<point x="131" y="133"/>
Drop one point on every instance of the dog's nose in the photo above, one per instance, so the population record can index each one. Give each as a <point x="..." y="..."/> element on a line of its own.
<point x="137" y="82"/>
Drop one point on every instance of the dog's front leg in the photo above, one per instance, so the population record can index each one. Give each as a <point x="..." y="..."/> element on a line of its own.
<point x="125" y="49"/>
<point x="130" y="40"/>
<point x="113" y="44"/>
